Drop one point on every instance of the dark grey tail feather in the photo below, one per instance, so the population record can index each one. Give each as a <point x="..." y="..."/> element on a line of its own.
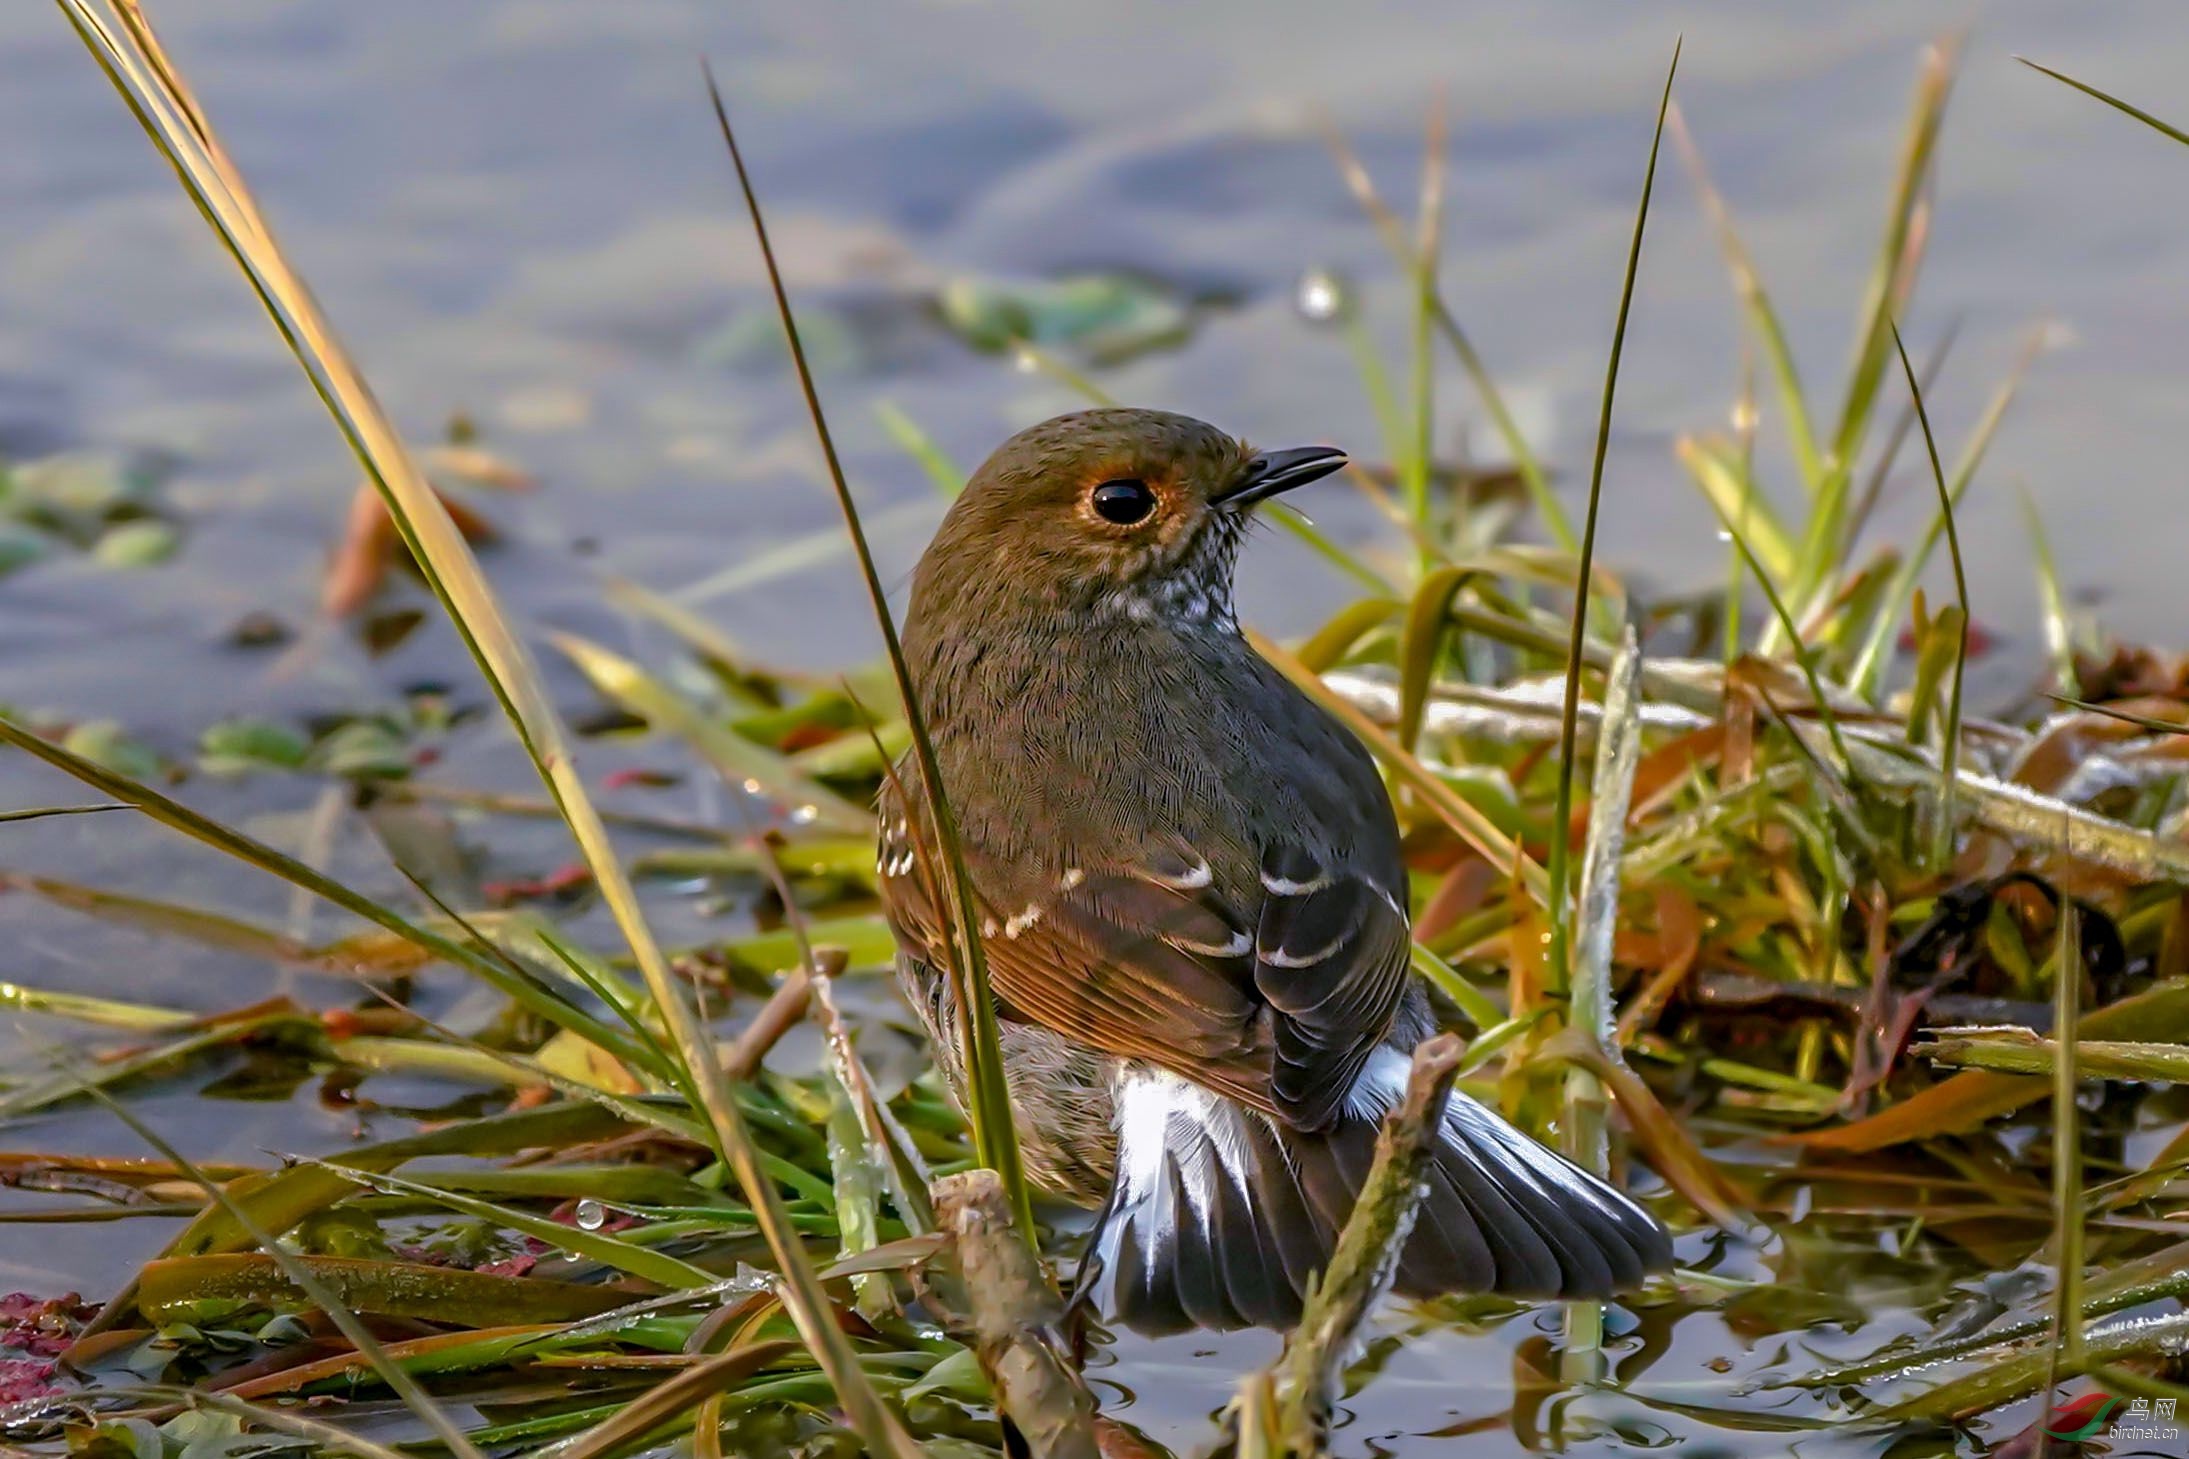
<point x="1220" y="1217"/>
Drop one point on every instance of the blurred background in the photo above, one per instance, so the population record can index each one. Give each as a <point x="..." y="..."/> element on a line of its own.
<point x="521" y="217"/>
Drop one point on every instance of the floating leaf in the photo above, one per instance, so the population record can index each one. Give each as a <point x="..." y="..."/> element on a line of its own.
<point x="1108" y="318"/>
<point x="145" y="542"/>
<point x="20" y="546"/>
<point x="239" y="746"/>
<point x="363" y="749"/>
<point x="78" y="489"/>
<point x="104" y="742"/>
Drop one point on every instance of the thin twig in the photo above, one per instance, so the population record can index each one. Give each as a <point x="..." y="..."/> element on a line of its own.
<point x="784" y="1011"/>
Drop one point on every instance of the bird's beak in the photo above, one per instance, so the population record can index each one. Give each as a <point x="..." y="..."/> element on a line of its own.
<point x="1271" y="472"/>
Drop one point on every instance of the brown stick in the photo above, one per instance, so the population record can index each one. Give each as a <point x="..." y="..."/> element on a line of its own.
<point x="1015" y="1311"/>
<point x="1307" y="1375"/>
<point x="783" y="1011"/>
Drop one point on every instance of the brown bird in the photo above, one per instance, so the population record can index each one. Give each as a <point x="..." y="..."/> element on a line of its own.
<point x="1192" y="899"/>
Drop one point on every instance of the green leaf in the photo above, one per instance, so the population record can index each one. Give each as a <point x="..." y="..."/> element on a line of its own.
<point x="363" y="749"/>
<point x="104" y="742"/>
<point x="239" y="746"/>
<point x="146" y="542"/>
<point x="1107" y="317"/>
<point x="20" y="547"/>
<point x="2163" y="128"/>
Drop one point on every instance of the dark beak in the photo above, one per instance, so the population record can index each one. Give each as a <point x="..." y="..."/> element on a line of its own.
<point x="1275" y="471"/>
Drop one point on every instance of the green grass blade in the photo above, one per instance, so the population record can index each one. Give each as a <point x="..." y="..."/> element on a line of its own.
<point x="1414" y="463"/>
<point x="2052" y="598"/>
<point x="39" y="813"/>
<point x="1480" y="1011"/>
<point x="172" y="119"/>
<point x="1885" y="296"/>
<point x="1561" y="849"/>
<point x="2067" y="1151"/>
<point x="1950" y="752"/>
<point x="1744" y="434"/>
<point x="98" y="1012"/>
<point x="1858" y="516"/>
<point x="653" y="1266"/>
<point x="1715" y="467"/>
<point x="2019" y="1051"/>
<point x="1869" y="663"/>
<point x="2142" y="721"/>
<point x="1388" y="227"/>
<point x="1763" y="320"/>
<point x="2163" y="128"/>
<point x="1792" y="631"/>
<point x="920" y="446"/>
<point x="1421" y="644"/>
<point x="995" y="1134"/>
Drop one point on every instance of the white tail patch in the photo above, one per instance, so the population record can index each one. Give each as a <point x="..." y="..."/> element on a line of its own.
<point x="1166" y="1122"/>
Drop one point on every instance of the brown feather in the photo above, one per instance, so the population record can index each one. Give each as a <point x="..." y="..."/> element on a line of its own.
<point x="1122" y="763"/>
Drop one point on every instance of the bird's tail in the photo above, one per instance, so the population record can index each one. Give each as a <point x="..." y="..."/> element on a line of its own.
<point x="1219" y="1217"/>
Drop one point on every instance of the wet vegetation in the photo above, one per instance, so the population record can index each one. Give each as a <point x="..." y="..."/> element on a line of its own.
<point x="1878" y="1000"/>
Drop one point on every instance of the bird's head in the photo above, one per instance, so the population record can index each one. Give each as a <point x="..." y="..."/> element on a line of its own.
<point x="1133" y="514"/>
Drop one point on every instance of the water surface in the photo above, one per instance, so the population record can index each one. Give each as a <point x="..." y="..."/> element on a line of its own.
<point x="520" y="212"/>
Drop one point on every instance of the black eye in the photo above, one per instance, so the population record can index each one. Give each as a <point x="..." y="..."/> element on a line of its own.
<point x="1124" y="502"/>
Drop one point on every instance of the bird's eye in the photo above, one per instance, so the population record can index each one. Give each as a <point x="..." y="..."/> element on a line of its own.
<point x="1124" y="501"/>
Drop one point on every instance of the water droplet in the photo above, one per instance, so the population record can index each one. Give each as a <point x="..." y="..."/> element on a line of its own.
<point x="1025" y="361"/>
<point x="805" y="815"/>
<point x="752" y="786"/>
<point x="1321" y="296"/>
<point x="590" y="1215"/>
<point x="1724" y="535"/>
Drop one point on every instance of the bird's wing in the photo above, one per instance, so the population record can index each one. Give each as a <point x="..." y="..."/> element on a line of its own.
<point x="1273" y="996"/>
<point x="1330" y="957"/>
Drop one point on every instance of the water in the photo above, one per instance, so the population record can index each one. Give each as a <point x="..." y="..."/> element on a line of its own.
<point x="520" y="212"/>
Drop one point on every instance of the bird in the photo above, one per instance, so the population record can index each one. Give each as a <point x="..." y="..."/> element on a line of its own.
<point x="1188" y="885"/>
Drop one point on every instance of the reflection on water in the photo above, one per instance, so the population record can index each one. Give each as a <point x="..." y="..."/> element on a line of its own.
<point x="519" y="212"/>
